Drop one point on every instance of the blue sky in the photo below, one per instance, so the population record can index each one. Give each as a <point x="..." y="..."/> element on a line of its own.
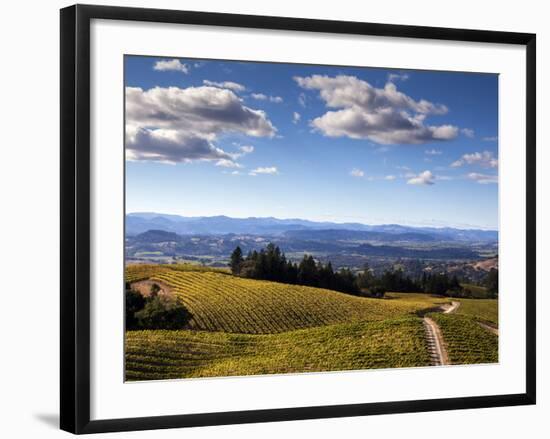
<point x="315" y="142"/>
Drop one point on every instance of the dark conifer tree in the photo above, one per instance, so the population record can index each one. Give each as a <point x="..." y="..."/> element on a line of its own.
<point x="236" y="261"/>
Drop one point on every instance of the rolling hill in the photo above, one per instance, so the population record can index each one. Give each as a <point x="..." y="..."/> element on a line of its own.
<point x="222" y="302"/>
<point x="248" y="327"/>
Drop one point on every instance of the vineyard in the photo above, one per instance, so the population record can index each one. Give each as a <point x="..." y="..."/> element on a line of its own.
<point x="466" y="341"/>
<point x="219" y="302"/>
<point x="485" y="310"/>
<point x="175" y="354"/>
<point x="242" y="326"/>
<point x="138" y="272"/>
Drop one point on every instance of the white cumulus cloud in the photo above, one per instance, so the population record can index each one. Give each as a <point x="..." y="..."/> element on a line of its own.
<point x="170" y="146"/>
<point x="296" y="117"/>
<point x="382" y="115"/>
<point x="171" y="64"/>
<point x="424" y="178"/>
<point x="355" y="172"/>
<point x="172" y="124"/>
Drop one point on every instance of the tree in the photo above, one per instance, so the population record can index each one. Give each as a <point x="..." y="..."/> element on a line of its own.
<point x="377" y="291"/>
<point x="440" y="284"/>
<point x="162" y="312"/>
<point x="345" y="281"/>
<point x="134" y="302"/>
<point x="236" y="261"/>
<point x="291" y="270"/>
<point x="424" y="281"/>
<point x="326" y="275"/>
<point x="454" y="286"/>
<point x="366" y="278"/>
<point x="307" y="272"/>
<point x="491" y="282"/>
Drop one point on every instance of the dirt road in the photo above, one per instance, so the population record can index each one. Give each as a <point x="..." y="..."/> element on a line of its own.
<point x="436" y="346"/>
<point x="488" y="327"/>
<point x="449" y="309"/>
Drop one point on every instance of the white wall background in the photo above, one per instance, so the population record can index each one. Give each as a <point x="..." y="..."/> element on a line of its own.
<point x="29" y="249"/>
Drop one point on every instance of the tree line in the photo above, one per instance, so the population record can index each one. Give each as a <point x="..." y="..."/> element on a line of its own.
<point x="271" y="264"/>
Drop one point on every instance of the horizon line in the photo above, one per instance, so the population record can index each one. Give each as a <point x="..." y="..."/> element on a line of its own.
<point x="424" y="225"/>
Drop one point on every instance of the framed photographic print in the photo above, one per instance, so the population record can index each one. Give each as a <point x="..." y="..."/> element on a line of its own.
<point x="267" y="218"/>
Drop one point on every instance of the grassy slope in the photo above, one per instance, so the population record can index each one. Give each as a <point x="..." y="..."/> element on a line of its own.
<point x="485" y="310"/>
<point x="221" y="302"/>
<point x="466" y="341"/>
<point x="184" y="354"/>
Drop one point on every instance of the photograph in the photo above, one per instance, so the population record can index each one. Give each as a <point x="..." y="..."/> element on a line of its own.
<point x="294" y="218"/>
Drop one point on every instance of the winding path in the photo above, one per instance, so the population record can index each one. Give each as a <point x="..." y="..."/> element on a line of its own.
<point x="489" y="328"/>
<point x="436" y="345"/>
<point x="450" y="308"/>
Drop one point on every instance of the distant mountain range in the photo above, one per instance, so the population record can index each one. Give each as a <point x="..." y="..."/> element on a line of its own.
<point x="137" y="223"/>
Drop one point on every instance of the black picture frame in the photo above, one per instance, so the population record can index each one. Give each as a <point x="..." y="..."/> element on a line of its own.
<point x="75" y="217"/>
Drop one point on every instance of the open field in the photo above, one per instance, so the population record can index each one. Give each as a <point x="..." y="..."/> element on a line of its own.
<point x="185" y="354"/>
<point x="465" y="340"/>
